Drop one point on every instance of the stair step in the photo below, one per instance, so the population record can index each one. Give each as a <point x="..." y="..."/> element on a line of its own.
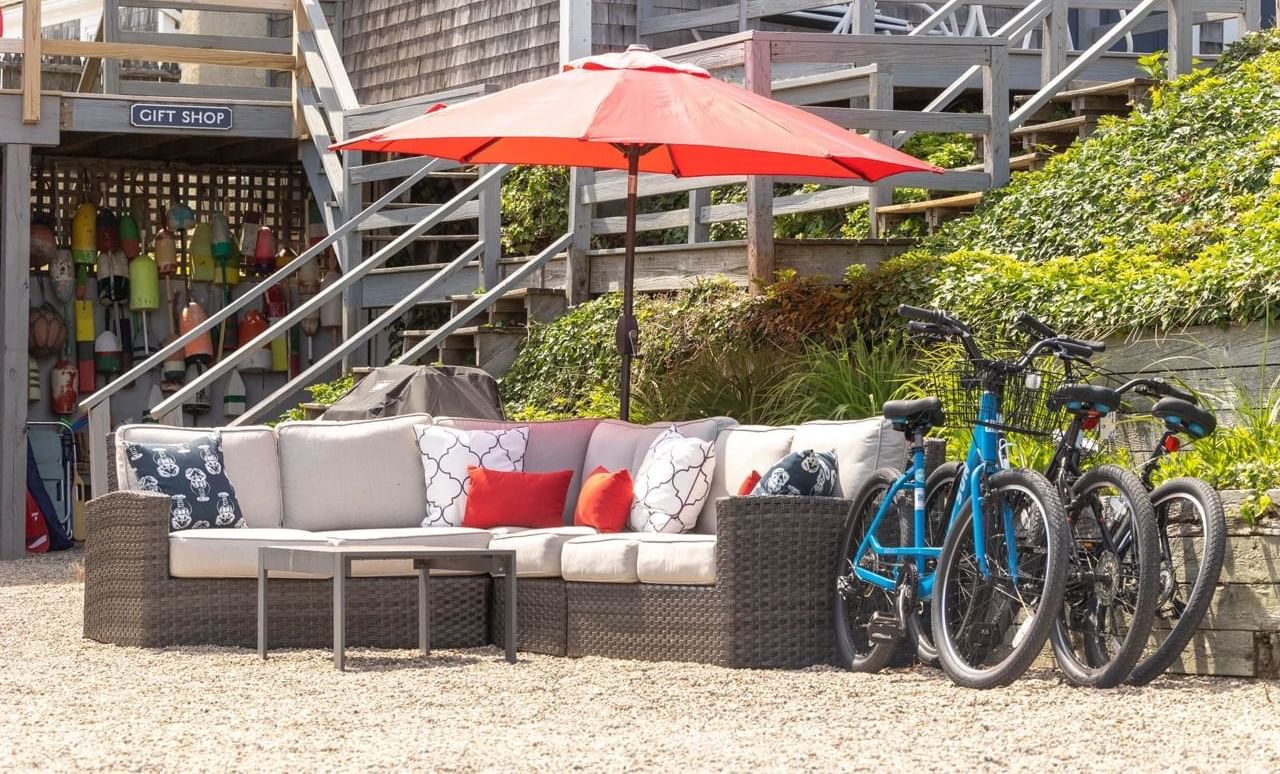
<point x="424" y="237"/>
<point x="468" y="330"/>
<point x="1071" y="125"/>
<point x="518" y="293"/>
<point x="960" y="202"/>
<point x="1019" y="163"/>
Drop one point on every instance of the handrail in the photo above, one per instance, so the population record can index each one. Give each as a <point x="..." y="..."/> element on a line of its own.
<point x="486" y="300"/>
<point x="934" y="19"/>
<point x="313" y="304"/>
<point x="329" y="54"/>
<point x="1021" y="23"/>
<point x="349" y="345"/>
<point x="1046" y="93"/>
<point x="132" y="375"/>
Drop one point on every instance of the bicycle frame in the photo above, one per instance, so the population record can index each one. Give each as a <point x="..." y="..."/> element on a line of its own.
<point x="982" y="459"/>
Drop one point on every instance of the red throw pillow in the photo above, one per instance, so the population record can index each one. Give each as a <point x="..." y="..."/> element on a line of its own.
<point x="605" y="501"/>
<point x="749" y="483"/>
<point x="502" y="498"/>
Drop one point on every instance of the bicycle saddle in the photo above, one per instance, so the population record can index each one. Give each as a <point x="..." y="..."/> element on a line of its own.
<point x="1085" y="398"/>
<point x="919" y="413"/>
<point x="1184" y="417"/>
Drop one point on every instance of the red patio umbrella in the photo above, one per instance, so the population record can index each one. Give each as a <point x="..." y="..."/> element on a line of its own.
<point x="642" y="113"/>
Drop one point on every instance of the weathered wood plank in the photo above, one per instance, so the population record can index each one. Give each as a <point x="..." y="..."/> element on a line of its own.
<point x="31" y="68"/>
<point x="396" y="168"/>
<point x="370" y="118"/>
<point x="1248" y="559"/>
<point x="13" y="129"/>
<point x="904" y="120"/>
<point x="1248" y="606"/>
<point x="881" y="49"/>
<point x="406" y="216"/>
<point x="15" y="231"/>
<point x="1224" y="362"/>
<point x="1218" y="653"/>
<point x="151" y="53"/>
<point x="86" y="113"/>
<point x="205" y="91"/>
<point x="218" y="42"/>
<point x="238" y="6"/>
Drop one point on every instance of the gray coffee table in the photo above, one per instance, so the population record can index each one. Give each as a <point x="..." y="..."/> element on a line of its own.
<point x="335" y="562"/>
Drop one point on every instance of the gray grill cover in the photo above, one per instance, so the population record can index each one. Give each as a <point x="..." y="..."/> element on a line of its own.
<point x="440" y="391"/>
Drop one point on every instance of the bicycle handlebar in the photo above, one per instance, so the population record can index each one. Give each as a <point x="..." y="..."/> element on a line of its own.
<point x="1036" y="328"/>
<point x="1157" y="387"/>
<point x="932" y="317"/>
<point x="937" y="323"/>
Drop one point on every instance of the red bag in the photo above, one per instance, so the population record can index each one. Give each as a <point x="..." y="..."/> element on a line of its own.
<point x="37" y="530"/>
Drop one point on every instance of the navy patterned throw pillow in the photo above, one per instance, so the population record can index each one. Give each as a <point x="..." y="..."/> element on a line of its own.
<point x="193" y="475"/>
<point x="804" y="473"/>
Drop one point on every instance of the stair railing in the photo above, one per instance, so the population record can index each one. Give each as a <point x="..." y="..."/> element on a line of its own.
<point x="485" y="301"/>
<point x="313" y="304"/>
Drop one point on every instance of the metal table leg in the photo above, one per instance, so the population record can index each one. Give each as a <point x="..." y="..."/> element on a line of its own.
<point x="339" y="612"/>
<point x="424" y="612"/>
<point x="262" y="608"/>
<point x="511" y="610"/>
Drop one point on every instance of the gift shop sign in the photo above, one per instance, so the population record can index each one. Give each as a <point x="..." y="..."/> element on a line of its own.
<point x="153" y="116"/>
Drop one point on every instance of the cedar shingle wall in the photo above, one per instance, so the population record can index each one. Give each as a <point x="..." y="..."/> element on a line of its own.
<point x="406" y="48"/>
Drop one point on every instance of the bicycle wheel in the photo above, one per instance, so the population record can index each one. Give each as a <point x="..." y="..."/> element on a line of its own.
<point x="856" y="603"/>
<point x="1193" y="528"/>
<point x="988" y="629"/>
<point x="937" y="507"/>
<point x="1113" y="582"/>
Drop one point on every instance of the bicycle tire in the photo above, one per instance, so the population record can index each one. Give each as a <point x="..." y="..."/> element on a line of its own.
<point x="1214" y="523"/>
<point x="855" y="653"/>
<point x="1048" y="563"/>
<point x="1088" y="655"/>
<point x="938" y="490"/>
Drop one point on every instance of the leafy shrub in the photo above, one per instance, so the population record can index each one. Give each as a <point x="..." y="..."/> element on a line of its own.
<point x="325" y="393"/>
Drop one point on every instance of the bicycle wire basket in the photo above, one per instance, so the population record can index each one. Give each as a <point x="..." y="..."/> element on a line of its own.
<point x="1024" y="407"/>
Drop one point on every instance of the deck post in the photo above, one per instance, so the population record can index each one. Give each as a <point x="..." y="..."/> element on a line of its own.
<point x="1055" y="35"/>
<point x="864" y="17"/>
<point x="757" y="57"/>
<point x="1252" y="18"/>
<point x="1181" y="20"/>
<point x="698" y="231"/>
<point x="575" y="43"/>
<point x="31" y="62"/>
<point x="995" y="103"/>
<point x="880" y="97"/>
<point x="491" y="230"/>
<point x="15" y="230"/>
<point x="110" y="34"/>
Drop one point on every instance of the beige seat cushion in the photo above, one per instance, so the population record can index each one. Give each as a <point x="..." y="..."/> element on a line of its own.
<point x="253" y="465"/>
<point x="538" y="550"/>
<point x="429" y="537"/>
<point x="861" y="446"/>
<point x="601" y="558"/>
<point x="740" y="450"/>
<point x="687" y="559"/>
<point x="352" y="475"/>
<point x="552" y="446"/>
<point x="230" y="553"/>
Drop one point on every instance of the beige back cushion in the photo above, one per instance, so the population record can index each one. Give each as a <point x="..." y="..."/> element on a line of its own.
<point x="253" y="465"/>
<point x="617" y="445"/>
<point x="861" y="446"/>
<point x="740" y="450"/>
<point x="552" y="446"/>
<point x="352" y="475"/>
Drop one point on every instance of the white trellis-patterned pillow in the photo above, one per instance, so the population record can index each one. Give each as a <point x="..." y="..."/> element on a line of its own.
<point x="447" y="453"/>
<point x="672" y="484"/>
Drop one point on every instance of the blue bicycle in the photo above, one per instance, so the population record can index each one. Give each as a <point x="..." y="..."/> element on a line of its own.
<point x="991" y="567"/>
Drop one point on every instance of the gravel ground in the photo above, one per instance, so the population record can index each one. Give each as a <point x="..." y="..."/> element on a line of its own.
<point x="68" y="703"/>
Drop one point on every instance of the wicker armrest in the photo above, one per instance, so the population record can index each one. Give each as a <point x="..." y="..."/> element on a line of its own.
<point x="128" y="532"/>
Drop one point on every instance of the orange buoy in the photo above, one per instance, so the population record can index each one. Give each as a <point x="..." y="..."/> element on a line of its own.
<point x="43" y="245"/>
<point x="166" y="253"/>
<point x="62" y="387"/>
<point x="200" y="349"/>
<point x="252" y="325"/>
<point x="264" y="251"/>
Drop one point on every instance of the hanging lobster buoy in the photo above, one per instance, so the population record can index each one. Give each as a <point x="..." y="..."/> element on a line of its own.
<point x="34" y="391"/>
<point x="174" y="367"/>
<point x="200" y="252"/>
<point x="331" y="310"/>
<point x="233" y="397"/>
<point x="308" y="278"/>
<point x="62" y="274"/>
<point x="223" y="250"/>
<point x="252" y="325"/>
<point x="154" y="398"/>
<point x="181" y="217"/>
<point x="84" y="320"/>
<point x="84" y="344"/>
<point x="144" y="284"/>
<point x="113" y="278"/>
<point x="83" y="243"/>
<point x="264" y="252"/>
<point x="62" y="387"/>
<point x="47" y="331"/>
<point x="200" y="349"/>
<point x="107" y="355"/>
<point x="130" y="237"/>
<point x="250" y="222"/>
<point x="140" y="210"/>
<point x="316" y="232"/>
<point x="166" y="253"/>
<point x="280" y="354"/>
<point x="198" y="403"/>
<point x="106" y="230"/>
<point x="43" y="245"/>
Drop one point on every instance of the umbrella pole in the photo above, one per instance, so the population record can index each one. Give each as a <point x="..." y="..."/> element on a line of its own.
<point x="628" y="330"/>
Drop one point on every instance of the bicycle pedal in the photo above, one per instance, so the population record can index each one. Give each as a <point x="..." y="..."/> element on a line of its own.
<point x="883" y="628"/>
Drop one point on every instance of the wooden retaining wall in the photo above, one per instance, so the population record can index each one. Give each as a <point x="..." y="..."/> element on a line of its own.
<point x="1219" y="360"/>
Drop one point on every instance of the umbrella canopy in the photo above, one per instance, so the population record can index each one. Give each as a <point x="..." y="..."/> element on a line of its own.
<point x="642" y="113"/>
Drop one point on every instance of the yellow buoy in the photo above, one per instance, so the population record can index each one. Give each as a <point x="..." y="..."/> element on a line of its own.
<point x="280" y="354"/>
<point x="84" y="240"/>
<point x="84" y="320"/>
<point x="144" y="284"/>
<point x="201" y="254"/>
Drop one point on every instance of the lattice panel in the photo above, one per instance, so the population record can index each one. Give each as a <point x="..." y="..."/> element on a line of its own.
<point x="279" y="193"/>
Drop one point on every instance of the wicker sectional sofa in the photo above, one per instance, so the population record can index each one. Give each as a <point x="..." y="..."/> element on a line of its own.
<point x="749" y="587"/>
